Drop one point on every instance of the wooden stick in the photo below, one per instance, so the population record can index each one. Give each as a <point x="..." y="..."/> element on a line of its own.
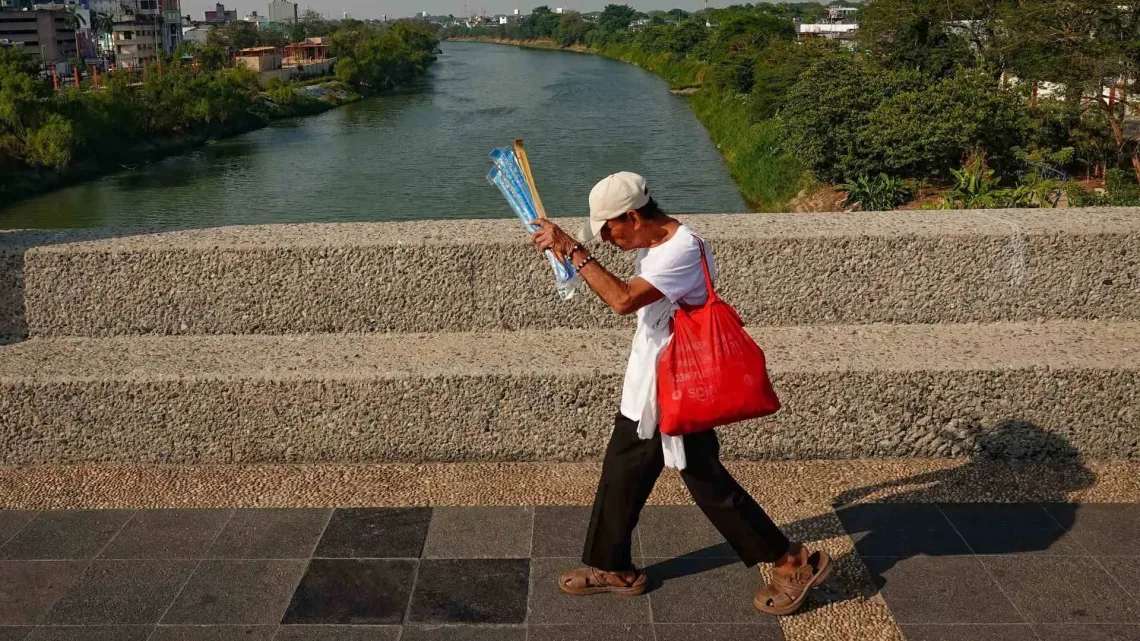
<point x="524" y="163"/>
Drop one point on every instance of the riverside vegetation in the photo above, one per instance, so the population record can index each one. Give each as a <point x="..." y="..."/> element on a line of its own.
<point x="48" y="139"/>
<point x="973" y="103"/>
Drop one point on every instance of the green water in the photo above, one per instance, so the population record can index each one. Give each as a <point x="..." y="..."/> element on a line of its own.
<point x="422" y="153"/>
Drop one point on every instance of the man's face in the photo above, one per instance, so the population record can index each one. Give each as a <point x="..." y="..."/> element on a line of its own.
<point x="621" y="231"/>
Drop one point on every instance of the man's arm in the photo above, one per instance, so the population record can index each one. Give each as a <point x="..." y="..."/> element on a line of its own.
<point x="624" y="298"/>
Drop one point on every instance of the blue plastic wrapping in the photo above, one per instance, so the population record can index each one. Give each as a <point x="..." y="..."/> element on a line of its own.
<point x="507" y="175"/>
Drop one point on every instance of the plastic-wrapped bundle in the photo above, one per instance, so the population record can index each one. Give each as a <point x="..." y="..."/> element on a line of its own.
<point x="507" y="175"/>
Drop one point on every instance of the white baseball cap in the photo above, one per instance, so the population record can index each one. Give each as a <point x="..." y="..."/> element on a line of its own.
<point x="611" y="198"/>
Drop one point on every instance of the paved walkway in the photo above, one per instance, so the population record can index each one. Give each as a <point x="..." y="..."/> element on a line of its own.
<point x="956" y="571"/>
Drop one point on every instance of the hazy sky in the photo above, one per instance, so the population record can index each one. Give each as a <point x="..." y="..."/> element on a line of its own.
<point x="403" y="8"/>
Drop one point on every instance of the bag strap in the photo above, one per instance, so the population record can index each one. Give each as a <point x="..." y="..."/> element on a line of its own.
<point x="705" y="267"/>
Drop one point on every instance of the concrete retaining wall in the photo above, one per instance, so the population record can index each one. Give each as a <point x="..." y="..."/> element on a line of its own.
<point x="1026" y="390"/>
<point x="777" y="269"/>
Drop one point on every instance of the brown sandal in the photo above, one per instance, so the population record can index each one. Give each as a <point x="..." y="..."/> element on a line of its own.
<point x="787" y="591"/>
<point x="586" y="581"/>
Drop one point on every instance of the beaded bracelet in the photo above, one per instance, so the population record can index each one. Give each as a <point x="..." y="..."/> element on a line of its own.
<point x="581" y="265"/>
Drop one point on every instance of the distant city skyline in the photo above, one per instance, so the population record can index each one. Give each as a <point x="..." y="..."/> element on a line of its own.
<point x="363" y="9"/>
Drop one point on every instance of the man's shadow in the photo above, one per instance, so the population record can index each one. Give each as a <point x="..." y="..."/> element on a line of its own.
<point x="1011" y="497"/>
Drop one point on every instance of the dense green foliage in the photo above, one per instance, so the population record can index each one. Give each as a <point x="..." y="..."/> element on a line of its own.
<point x="960" y="94"/>
<point x="188" y="97"/>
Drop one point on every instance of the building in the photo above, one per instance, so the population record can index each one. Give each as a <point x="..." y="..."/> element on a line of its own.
<point x="144" y="30"/>
<point x="841" y="23"/>
<point x="220" y="16"/>
<point x="42" y="33"/>
<point x="259" y="59"/>
<point x="196" y="34"/>
<point x="307" y="51"/>
<point x="283" y="11"/>
<point x="256" y="19"/>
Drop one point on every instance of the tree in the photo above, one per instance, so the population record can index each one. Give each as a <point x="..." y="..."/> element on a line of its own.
<point x="848" y="117"/>
<point x="237" y="35"/>
<point x="616" y="17"/>
<point x="21" y="98"/>
<point x="541" y="23"/>
<point x="1090" y="47"/>
<point x="51" y="145"/>
<point x="572" y="29"/>
<point x="72" y="19"/>
<point x="915" y="34"/>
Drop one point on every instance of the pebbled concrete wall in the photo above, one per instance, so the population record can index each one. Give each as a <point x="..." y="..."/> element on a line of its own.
<point x="777" y="269"/>
<point x="1015" y="390"/>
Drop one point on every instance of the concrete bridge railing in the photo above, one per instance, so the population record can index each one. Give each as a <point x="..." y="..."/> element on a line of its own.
<point x="896" y="334"/>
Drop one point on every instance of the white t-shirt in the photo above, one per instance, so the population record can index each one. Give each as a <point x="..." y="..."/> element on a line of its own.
<point x="674" y="268"/>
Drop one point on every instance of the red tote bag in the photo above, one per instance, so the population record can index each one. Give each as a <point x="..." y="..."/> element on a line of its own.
<point x="712" y="373"/>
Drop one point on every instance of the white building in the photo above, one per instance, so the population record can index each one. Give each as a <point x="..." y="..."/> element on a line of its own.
<point x="143" y="28"/>
<point x="282" y="11"/>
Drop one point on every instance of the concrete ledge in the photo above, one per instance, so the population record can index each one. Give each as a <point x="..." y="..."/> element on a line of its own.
<point x="777" y="269"/>
<point x="849" y="391"/>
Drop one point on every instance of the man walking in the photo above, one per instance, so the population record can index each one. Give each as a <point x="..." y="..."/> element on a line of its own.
<point x="668" y="273"/>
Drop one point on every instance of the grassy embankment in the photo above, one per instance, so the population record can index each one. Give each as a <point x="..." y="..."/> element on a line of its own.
<point x="767" y="176"/>
<point x="29" y="183"/>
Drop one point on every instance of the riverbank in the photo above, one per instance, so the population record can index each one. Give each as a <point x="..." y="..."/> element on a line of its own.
<point x="767" y="177"/>
<point x="312" y="99"/>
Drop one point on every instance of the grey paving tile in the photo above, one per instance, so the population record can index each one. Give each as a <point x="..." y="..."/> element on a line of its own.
<point x="561" y="532"/>
<point x="28" y="589"/>
<point x="122" y="592"/>
<point x="944" y="589"/>
<point x="14" y="633"/>
<point x="470" y="591"/>
<point x="680" y="530"/>
<point x="270" y="534"/>
<point x="1104" y="529"/>
<point x="214" y="633"/>
<point x="338" y="633"/>
<point x="616" y="631"/>
<point x="464" y="633"/>
<point x="167" y="534"/>
<point x="375" y="533"/>
<point x="233" y="592"/>
<point x="12" y="521"/>
<point x="479" y="533"/>
<point x="1062" y="590"/>
<point x="1126" y="571"/>
<point x="352" y="591"/>
<point x="548" y="605"/>
<point x="718" y="632"/>
<point x="900" y="529"/>
<point x="704" y="590"/>
<point x="969" y="632"/>
<point x="1088" y="632"/>
<point x="1108" y="632"/>
<point x="1011" y="528"/>
<point x="91" y="633"/>
<point x="65" y="534"/>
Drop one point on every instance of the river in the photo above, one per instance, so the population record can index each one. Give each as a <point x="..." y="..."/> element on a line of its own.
<point x="421" y="153"/>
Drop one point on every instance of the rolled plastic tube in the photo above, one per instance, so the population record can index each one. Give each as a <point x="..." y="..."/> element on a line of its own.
<point x="565" y="278"/>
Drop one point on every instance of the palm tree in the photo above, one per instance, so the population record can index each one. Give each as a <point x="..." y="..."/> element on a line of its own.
<point x="103" y="23"/>
<point x="72" y="19"/>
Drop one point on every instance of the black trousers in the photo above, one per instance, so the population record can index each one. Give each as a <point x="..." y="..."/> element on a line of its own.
<point x="630" y="471"/>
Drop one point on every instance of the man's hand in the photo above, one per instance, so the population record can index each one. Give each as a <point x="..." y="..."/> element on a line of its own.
<point x="624" y="298"/>
<point x="551" y="236"/>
